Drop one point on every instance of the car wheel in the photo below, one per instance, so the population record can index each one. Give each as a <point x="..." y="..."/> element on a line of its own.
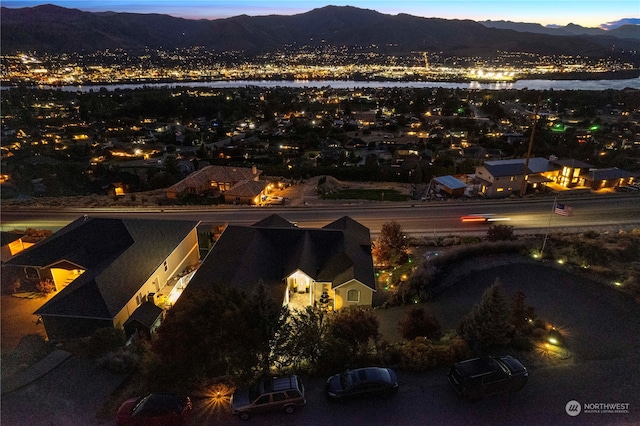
<point x="289" y="409"/>
<point x="244" y="415"/>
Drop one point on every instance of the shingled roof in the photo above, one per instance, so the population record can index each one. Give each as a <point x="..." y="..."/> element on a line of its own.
<point x="118" y="256"/>
<point x="272" y="249"/>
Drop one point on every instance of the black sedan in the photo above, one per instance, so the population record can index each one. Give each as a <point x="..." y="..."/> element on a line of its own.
<point x="362" y="382"/>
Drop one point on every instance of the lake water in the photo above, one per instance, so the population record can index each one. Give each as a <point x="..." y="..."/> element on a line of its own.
<point x="633" y="83"/>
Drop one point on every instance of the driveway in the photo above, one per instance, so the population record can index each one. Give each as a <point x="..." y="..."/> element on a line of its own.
<point x="603" y="331"/>
<point x="599" y="321"/>
<point x="602" y="327"/>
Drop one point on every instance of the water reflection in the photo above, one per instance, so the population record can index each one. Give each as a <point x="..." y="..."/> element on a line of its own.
<point x="633" y="83"/>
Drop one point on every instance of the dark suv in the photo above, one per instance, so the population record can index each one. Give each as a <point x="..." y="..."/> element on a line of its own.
<point x="479" y="377"/>
<point x="272" y="394"/>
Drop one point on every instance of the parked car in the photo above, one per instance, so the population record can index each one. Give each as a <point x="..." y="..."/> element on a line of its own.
<point x="479" y="377"/>
<point x="155" y="409"/>
<point x="272" y="394"/>
<point x="362" y="382"/>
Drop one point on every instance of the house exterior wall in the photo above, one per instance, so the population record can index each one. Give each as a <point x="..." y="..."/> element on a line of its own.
<point x="239" y="199"/>
<point x="319" y="288"/>
<point x="65" y="328"/>
<point x="13" y="248"/>
<point x="501" y="186"/>
<point x="63" y="277"/>
<point x="185" y="254"/>
<point x="342" y="294"/>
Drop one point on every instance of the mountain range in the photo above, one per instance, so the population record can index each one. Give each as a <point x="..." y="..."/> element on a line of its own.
<point x="53" y="29"/>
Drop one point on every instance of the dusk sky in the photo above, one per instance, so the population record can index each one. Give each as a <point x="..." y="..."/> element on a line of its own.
<point x="587" y="13"/>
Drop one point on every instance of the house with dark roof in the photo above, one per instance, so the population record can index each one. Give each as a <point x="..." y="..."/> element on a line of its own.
<point x="501" y="178"/>
<point x="611" y="177"/>
<point x="217" y="180"/>
<point x="296" y="265"/>
<point x="104" y="270"/>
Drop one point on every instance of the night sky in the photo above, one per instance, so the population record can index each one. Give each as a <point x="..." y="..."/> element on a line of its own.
<point x="587" y="13"/>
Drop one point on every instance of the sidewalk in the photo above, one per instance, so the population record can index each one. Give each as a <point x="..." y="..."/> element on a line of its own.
<point x="35" y="371"/>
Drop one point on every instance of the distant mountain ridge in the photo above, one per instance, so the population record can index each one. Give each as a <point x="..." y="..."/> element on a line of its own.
<point x="623" y="31"/>
<point x="54" y="29"/>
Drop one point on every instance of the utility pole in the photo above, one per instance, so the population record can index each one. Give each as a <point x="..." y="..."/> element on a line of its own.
<point x="523" y="187"/>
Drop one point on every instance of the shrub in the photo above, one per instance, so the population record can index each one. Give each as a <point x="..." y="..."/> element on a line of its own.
<point x="522" y="343"/>
<point x="45" y="286"/>
<point x="104" y="340"/>
<point x="122" y="360"/>
<point x="423" y="354"/>
<point x="416" y="355"/>
<point x="418" y="322"/>
<point x="500" y="233"/>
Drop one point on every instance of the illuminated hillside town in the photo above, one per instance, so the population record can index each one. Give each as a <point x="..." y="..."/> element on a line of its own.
<point x="310" y="63"/>
<point x="417" y="213"/>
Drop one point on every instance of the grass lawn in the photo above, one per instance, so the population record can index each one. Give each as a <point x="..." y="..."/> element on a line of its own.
<point x="367" y="194"/>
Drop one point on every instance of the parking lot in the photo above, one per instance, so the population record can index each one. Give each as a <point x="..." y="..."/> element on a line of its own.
<point x="602" y="328"/>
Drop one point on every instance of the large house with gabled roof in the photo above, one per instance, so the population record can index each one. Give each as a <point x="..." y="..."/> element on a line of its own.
<point x="297" y="265"/>
<point x="502" y="178"/>
<point x="104" y="270"/>
<point x="236" y="184"/>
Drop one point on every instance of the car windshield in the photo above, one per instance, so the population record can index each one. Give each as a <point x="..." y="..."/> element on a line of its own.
<point x="141" y="401"/>
<point x="254" y="392"/>
<point x="346" y="380"/>
<point x="155" y="403"/>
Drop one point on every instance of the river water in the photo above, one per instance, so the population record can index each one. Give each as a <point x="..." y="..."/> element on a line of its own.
<point x="633" y="83"/>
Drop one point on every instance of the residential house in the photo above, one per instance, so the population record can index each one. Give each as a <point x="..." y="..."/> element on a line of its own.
<point x="567" y="172"/>
<point x="611" y="177"/>
<point x="104" y="270"/>
<point x="11" y="244"/>
<point x="501" y="178"/>
<point x="213" y="179"/>
<point x="449" y="185"/>
<point x="297" y="265"/>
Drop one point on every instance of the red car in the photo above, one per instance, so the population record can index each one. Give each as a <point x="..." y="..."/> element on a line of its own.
<point x="155" y="409"/>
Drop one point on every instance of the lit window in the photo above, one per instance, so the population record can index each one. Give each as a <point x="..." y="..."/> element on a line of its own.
<point x="353" y="296"/>
<point x="499" y="189"/>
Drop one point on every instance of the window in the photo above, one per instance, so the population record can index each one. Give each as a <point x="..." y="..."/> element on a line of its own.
<point x="280" y="396"/>
<point x="165" y="266"/>
<point x="31" y="272"/>
<point x="264" y="399"/>
<point x="353" y="296"/>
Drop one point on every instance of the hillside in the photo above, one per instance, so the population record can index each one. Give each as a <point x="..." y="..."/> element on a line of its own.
<point x="54" y="29"/>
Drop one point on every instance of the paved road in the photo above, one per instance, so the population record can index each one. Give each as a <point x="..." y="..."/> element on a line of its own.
<point x="608" y="211"/>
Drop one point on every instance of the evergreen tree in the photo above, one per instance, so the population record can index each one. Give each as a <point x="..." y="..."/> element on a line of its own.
<point x="521" y="314"/>
<point x="487" y="325"/>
